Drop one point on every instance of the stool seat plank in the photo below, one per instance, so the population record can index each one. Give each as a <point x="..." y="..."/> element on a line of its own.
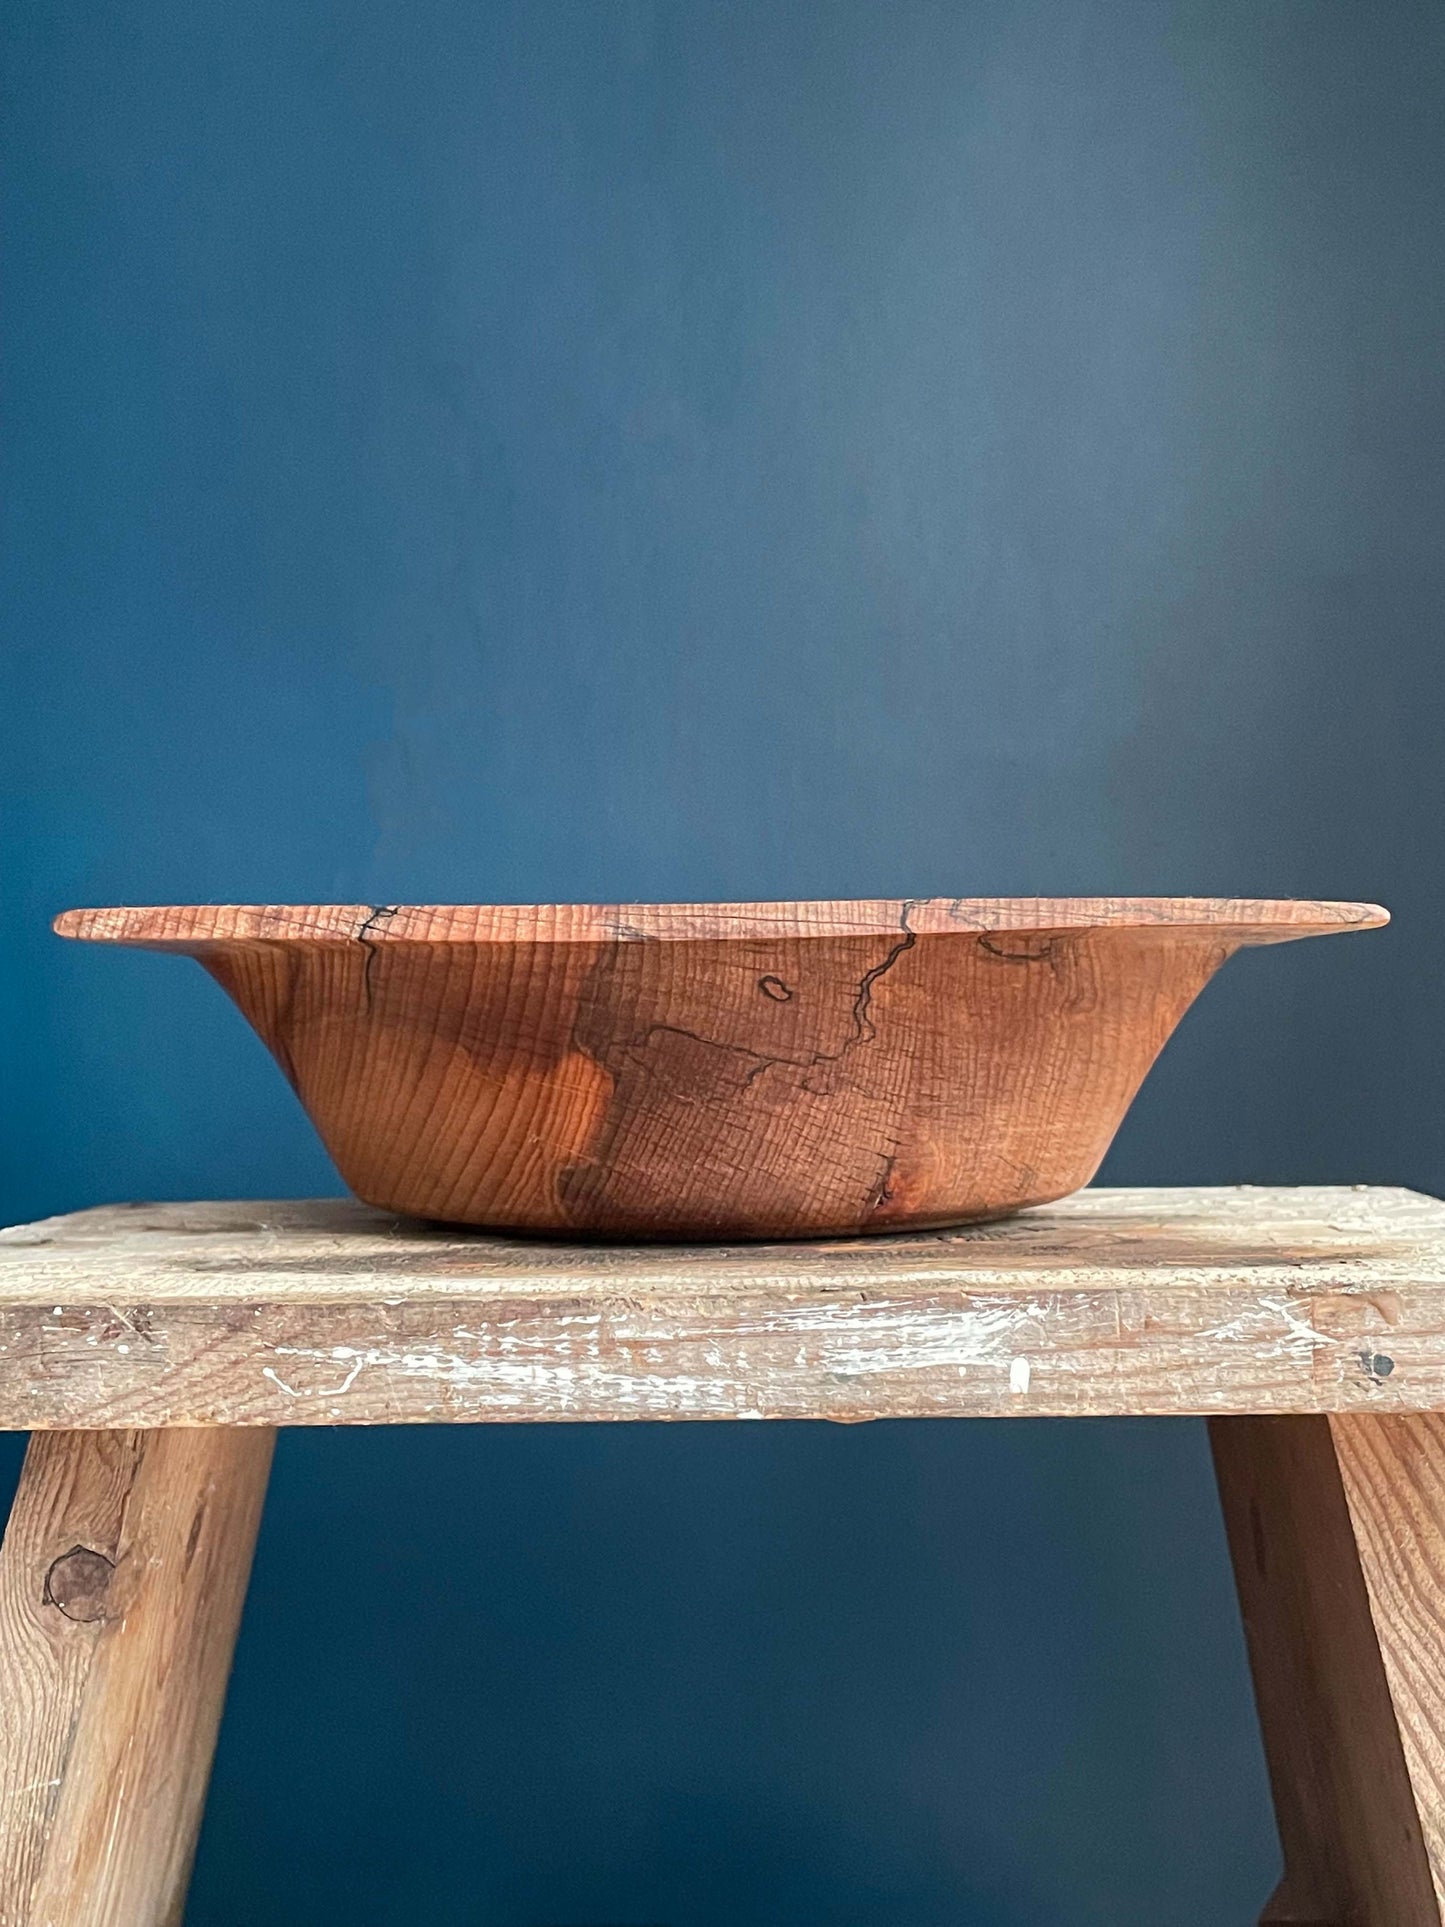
<point x="1204" y="1301"/>
<point x="1308" y="1324"/>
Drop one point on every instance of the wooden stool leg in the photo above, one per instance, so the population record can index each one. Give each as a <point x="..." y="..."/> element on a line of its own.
<point x="1337" y="1532"/>
<point x="122" y="1575"/>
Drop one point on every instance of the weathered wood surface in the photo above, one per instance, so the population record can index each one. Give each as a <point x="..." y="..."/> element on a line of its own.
<point x="122" y="1576"/>
<point x="324" y="1312"/>
<point x="717" y="1071"/>
<point x="1337" y="1532"/>
<point x="1393" y="1469"/>
<point x="56" y="1567"/>
<point x="1345" y="1618"/>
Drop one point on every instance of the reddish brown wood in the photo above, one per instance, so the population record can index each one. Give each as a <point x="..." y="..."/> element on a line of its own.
<point x="696" y="1071"/>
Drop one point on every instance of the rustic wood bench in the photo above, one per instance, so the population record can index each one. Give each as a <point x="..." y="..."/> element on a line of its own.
<point x="152" y="1350"/>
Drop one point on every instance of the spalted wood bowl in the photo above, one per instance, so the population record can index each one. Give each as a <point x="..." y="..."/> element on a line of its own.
<point x="758" y="1070"/>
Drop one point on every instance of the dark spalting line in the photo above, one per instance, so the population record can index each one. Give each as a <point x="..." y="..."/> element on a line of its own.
<point x="955" y="911"/>
<point x="864" y="1029"/>
<point x="593" y="1033"/>
<point x="635" y="1048"/>
<point x="380" y="913"/>
<point x="1019" y="950"/>
<point x="581" y="1181"/>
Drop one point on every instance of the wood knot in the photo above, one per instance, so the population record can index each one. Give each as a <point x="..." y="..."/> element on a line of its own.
<point x="77" y="1584"/>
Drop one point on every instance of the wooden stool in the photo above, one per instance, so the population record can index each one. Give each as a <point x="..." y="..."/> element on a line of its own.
<point x="153" y="1349"/>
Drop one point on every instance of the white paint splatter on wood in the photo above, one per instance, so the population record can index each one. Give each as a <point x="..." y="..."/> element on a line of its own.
<point x="1171" y="1301"/>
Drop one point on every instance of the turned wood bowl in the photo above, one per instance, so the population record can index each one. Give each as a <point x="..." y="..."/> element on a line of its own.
<point x="758" y="1070"/>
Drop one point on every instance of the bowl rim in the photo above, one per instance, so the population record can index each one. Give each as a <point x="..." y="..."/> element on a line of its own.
<point x="198" y="927"/>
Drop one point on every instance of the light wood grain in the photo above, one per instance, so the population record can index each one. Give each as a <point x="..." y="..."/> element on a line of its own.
<point x="66" y="1523"/>
<point x="185" y="927"/>
<point x="1393" y="1471"/>
<point x="1337" y="1533"/>
<point x="1170" y="1301"/>
<point x="1353" y="1845"/>
<point x="717" y="1071"/>
<point x="122" y="1576"/>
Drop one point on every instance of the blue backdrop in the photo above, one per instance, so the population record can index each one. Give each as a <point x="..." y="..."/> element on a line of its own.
<point x="547" y="450"/>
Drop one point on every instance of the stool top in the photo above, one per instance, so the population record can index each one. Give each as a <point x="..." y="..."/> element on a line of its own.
<point x="318" y="1312"/>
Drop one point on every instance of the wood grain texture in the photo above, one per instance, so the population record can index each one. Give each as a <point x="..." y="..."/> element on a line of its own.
<point x="1393" y="1470"/>
<point x="325" y="1312"/>
<point x="122" y="1576"/>
<point x="1337" y="1532"/>
<point x="711" y="1071"/>
<point x="66" y="1521"/>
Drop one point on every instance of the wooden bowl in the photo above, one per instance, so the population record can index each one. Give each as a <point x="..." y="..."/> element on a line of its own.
<point x="757" y="1070"/>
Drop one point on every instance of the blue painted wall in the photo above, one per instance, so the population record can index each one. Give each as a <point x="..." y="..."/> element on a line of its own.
<point x="701" y="448"/>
